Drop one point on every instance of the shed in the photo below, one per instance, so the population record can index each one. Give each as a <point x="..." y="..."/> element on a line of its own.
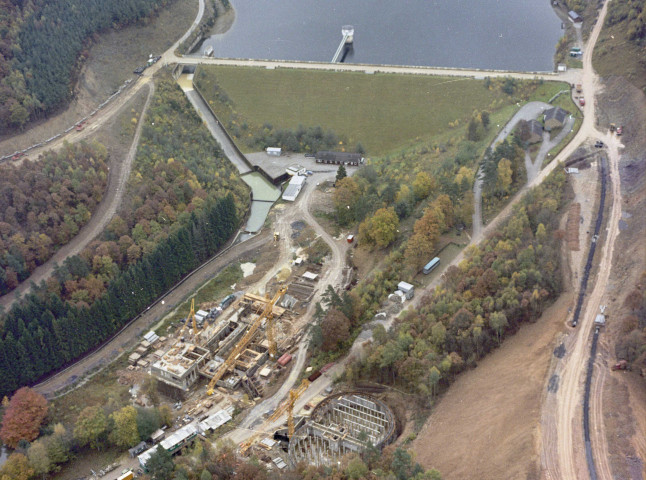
<point x="407" y="289"/>
<point x="555" y="118"/>
<point x="571" y="170"/>
<point x="274" y="151"/>
<point x="137" y="449"/>
<point x="310" y="276"/>
<point x="339" y="158"/>
<point x="574" y="17"/>
<point x="157" y="436"/>
<point x="350" y="238"/>
<point x="151" y="337"/>
<point x="294" y="170"/>
<point x="265" y="372"/>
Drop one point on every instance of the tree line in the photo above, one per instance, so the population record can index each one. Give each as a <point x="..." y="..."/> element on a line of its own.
<point x="41" y="448"/>
<point x="183" y="202"/>
<point x="44" y="204"/>
<point x="42" y="333"/>
<point x="41" y="43"/>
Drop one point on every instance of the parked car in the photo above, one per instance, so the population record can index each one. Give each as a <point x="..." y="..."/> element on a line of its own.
<point x="599" y="144"/>
<point x="581" y="101"/>
<point x="620" y="130"/>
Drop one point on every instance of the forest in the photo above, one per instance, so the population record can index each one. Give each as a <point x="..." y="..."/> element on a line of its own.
<point x="42" y="44"/>
<point x="44" y="203"/>
<point x="179" y="211"/>
<point x="507" y="280"/>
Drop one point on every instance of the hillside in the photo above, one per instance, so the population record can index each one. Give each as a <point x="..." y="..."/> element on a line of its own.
<point x="42" y="45"/>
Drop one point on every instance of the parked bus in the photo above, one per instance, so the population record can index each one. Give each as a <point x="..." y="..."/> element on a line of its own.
<point x="430" y="266"/>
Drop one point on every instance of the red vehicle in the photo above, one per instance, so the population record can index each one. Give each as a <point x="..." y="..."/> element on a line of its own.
<point x="620" y="130"/>
<point x="581" y="101"/>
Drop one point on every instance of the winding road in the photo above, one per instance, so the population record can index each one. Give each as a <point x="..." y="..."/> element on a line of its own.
<point x="566" y="438"/>
<point x="527" y="112"/>
<point x="118" y="176"/>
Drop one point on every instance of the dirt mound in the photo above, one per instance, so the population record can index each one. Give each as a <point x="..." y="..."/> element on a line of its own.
<point x="572" y="227"/>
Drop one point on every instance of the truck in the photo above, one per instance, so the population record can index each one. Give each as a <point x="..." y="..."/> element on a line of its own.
<point x="579" y="88"/>
<point x="129" y="475"/>
<point x="620" y="365"/>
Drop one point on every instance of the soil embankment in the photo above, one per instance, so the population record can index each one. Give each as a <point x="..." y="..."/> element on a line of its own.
<point x="487" y="424"/>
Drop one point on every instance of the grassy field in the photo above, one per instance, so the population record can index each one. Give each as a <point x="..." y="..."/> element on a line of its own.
<point x="383" y="112"/>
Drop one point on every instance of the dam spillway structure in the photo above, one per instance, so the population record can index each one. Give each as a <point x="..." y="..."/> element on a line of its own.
<point x="342" y="424"/>
<point x="346" y="43"/>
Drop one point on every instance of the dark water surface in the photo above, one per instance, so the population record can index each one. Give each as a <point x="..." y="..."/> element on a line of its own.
<point x="492" y="34"/>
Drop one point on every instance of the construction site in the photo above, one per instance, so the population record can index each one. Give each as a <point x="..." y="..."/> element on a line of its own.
<point x="341" y="424"/>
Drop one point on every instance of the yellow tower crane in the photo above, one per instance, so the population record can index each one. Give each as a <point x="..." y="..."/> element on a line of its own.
<point x="267" y="313"/>
<point x="288" y="406"/>
<point x="191" y="317"/>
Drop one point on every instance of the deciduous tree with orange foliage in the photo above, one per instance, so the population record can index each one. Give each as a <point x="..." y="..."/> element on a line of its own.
<point x="26" y="412"/>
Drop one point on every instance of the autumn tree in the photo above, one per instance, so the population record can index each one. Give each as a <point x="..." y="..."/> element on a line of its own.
<point x="91" y="426"/>
<point x="125" y="433"/>
<point x="380" y="229"/>
<point x="498" y="322"/>
<point x="38" y="458"/>
<point x="160" y="464"/>
<point x="422" y="243"/>
<point x="16" y="468"/>
<point x="505" y="174"/>
<point x="22" y="419"/>
<point x="345" y="197"/>
<point x="423" y="185"/>
<point x="335" y="328"/>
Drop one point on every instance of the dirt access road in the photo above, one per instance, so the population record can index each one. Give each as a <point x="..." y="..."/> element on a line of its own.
<point x="333" y="275"/>
<point x="117" y="179"/>
<point x="569" y="460"/>
<point x="118" y="176"/>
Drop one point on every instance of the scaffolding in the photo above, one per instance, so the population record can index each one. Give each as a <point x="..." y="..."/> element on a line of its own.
<point x="340" y="425"/>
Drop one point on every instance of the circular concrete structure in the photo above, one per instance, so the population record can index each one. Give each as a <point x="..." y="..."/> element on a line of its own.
<point x="342" y="424"/>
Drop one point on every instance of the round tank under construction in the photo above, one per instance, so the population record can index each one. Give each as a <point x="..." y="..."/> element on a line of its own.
<point x="342" y="424"/>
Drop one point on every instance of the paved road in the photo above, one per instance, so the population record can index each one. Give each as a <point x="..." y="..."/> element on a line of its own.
<point x="527" y="112"/>
<point x="571" y="76"/>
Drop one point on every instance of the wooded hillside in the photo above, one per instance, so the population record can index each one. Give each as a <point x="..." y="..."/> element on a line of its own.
<point x="43" y="205"/>
<point x="41" y="44"/>
<point x="184" y="202"/>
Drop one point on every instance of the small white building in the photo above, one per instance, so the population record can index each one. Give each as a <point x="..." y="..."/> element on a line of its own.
<point x="294" y="170"/>
<point x="294" y="188"/>
<point x="407" y="289"/>
<point x="274" y="151"/>
<point x="571" y="170"/>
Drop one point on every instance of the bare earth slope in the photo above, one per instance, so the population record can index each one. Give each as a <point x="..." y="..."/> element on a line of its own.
<point x="486" y="426"/>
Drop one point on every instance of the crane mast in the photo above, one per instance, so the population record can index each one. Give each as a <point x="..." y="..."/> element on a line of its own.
<point x="267" y="314"/>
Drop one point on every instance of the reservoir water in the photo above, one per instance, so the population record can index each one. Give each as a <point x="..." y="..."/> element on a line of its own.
<point x="491" y="34"/>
